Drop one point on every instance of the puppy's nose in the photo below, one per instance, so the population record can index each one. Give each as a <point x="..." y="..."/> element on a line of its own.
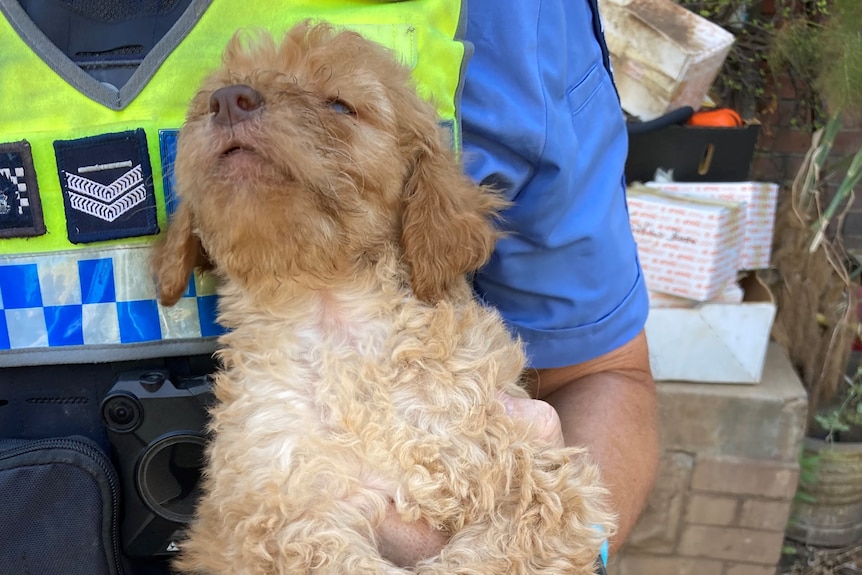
<point x="233" y="104"/>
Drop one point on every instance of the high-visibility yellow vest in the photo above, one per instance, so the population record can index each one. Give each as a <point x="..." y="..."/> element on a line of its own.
<point x="85" y="182"/>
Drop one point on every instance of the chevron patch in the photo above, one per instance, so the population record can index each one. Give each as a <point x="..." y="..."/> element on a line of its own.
<point x="107" y="187"/>
<point x="107" y="202"/>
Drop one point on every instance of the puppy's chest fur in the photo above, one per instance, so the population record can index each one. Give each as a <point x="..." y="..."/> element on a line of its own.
<point x="339" y="380"/>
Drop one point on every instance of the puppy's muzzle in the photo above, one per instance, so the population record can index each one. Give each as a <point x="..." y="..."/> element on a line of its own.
<point x="234" y="104"/>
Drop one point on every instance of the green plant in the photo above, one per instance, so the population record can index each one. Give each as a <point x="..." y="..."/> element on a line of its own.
<point x="848" y="413"/>
<point x="820" y="44"/>
<point x="852" y="175"/>
<point x="814" y="287"/>
<point x="809" y="466"/>
<point x="813" y="44"/>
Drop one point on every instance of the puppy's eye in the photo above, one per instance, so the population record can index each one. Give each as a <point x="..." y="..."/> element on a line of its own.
<point x="341" y="107"/>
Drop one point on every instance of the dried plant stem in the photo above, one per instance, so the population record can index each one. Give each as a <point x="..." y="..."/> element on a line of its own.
<point x="816" y="318"/>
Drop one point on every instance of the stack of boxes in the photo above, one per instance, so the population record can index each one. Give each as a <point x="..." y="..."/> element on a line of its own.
<point x="700" y="227"/>
<point x="696" y="242"/>
<point x="704" y="233"/>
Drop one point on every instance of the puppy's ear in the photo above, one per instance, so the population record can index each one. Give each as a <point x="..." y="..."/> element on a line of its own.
<point x="176" y="257"/>
<point x="447" y="221"/>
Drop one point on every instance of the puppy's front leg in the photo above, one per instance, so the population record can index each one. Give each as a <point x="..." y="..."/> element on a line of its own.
<point x="544" y="523"/>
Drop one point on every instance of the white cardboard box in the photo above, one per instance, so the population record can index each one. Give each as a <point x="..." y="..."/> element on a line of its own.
<point x="712" y="342"/>
<point x="760" y="199"/>
<point x="688" y="246"/>
<point x="732" y="293"/>
<point x="664" y="55"/>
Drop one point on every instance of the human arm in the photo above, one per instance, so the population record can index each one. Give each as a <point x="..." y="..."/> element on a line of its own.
<point x="609" y="405"/>
<point x="567" y="278"/>
<point x="542" y="122"/>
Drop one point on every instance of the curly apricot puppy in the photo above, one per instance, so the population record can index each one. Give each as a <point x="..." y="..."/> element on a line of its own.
<point x="358" y="370"/>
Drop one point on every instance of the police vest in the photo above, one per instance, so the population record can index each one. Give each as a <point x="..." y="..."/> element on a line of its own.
<point x="85" y="171"/>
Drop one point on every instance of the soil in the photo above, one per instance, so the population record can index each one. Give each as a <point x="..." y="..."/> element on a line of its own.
<point x="801" y="559"/>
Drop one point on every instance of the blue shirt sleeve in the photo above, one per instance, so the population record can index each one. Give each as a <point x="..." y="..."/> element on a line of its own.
<point x="542" y="121"/>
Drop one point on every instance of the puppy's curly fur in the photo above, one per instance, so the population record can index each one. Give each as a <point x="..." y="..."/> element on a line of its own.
<point x="358" y="369"/>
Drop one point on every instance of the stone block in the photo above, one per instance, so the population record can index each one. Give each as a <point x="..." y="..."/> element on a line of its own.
<point x="762" y="421"/>
<point x="705" y="509"/>
<point x="768" y="479"/>
<point x="769" y="515"/>
<point x="731" y="544"/>
<point x="658" y="526"/>
<point x="651" y="565"/>
<point x="749" y="569"/>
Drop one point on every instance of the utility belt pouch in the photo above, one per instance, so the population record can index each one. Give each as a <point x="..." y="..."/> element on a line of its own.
<point x="59" y="507"/>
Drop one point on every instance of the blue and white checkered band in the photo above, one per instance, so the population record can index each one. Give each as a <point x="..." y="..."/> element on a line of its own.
<point x="98" y="305"/>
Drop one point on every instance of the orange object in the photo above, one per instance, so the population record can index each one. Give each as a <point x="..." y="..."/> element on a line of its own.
<point x="718" y="118"/>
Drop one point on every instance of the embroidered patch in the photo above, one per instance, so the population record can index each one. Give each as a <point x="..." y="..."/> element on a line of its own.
<point x="107" y="186"/>
<point x="20" y="206"/>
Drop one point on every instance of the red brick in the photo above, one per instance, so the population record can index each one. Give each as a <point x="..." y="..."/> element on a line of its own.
<point x="770" y="515"/>
<point x="790" y="114"/>
<point x="853" y="223"/>
<point x="731" y="544"/>
<point x="768" y="7"/>
<point x="853" y="121"/>
<point x="651" y="565"/>
<point x="792" y="164"/>
<point x="658" y="525"/>
<point x="767" y="168"/>
<point x="853" y="242"/>
<point x="766" y="140"/>
<point x="792" y="141"/>
<point x="768" y="479"/>
<point x="711" y="509"/>
<point x="768" y="116"/>
<point x="784" y="88"/>
<point x="847" y="142"/>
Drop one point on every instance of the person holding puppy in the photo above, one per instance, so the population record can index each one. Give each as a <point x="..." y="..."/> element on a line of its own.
<point x="541" y="121"/>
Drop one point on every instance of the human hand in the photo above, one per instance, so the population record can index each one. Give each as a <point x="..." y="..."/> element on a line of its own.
<point x="405" y="544"/>
<point x="543" y="417"/>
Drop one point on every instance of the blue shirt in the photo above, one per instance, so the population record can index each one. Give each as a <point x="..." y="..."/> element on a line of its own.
<point x="542" y="121"/>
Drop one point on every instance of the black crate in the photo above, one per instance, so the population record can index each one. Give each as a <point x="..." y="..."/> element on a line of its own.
<point x="695" y="154"/>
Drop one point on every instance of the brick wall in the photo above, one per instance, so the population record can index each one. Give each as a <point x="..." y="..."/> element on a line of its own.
<point x="727" y="477"/>
<point x="782" y="146"/>
<point x="847" y="143"/>
<point x="730" y="518"/>
<point x="737" y="510"/>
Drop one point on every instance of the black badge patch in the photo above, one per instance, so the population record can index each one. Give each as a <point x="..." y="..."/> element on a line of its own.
<point x="20" y="206"/>
<point x="107" y="186"/>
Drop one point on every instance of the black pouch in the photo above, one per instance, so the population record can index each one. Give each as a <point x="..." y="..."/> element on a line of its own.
<point x="59" y="508"/>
